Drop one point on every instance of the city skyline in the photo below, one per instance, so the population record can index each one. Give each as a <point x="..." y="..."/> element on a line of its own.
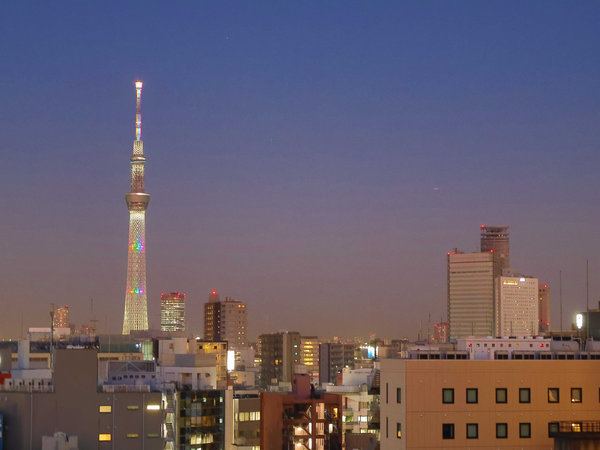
<point x="318" y="174"/>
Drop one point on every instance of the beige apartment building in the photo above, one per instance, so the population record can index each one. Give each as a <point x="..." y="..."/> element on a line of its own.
<point x="524" y="404"/>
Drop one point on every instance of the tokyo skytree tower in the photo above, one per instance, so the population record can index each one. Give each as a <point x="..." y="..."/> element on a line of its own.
<point x="136" y="306"/>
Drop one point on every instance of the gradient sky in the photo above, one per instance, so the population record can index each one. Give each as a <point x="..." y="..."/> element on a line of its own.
<point x="293" y="150"/>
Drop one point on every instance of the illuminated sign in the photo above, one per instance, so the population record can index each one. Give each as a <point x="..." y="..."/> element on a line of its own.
<point x="579" y="321"/>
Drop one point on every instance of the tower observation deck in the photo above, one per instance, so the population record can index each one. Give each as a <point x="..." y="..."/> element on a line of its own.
<point x="136" y="305"/>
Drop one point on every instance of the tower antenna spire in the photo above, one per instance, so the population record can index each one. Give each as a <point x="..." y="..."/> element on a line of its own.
<point x="135" y="316"/>
<point x="138" y="113"/>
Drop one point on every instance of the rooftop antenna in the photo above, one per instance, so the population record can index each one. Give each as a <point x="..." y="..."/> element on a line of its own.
<point x="52" y="305"/>
<point x="560" y="298"/>
<point x="138" y="111"/>
<point x="587" y="285"/>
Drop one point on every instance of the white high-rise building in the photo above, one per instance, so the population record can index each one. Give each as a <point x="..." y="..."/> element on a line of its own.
<point x="517" y="310"/>
<point x="471" y="294"/>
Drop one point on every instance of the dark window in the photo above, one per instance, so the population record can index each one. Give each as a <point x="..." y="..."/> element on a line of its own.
<point x="524" y="395"/>
<point x="525" y="430"/>
<point x="471" y="395"/>
<point x="552" y="428"/>
<point x="399" y="430"/>
<point x="472" y="431"/>
<point x="447" y="431"/>
<point x="501" y="395"/>
<point x="501" y="430"/>
<point x="576" y="395"/>
<point x="399" y="395"/>
<point x="447" y="395"/>
<point x="386" y="392"/>
<point x="553" y="395"/>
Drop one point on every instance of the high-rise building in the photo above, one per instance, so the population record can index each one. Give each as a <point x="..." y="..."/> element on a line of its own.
<point x="333" y="358"/>
<point x="517" y="306"/>
<point x="61" y="317"/>
<point x="471" y="294"/>
<point x="496" y="240"/>
<point x="226" y="321"/>
<point x="136" y="307"/>
<point x="309" y="355"/>
<point x="440" y="332"/>
<point x="172" y="312"/>
<point x="544" y="308"/>
<point x="279" y="354"/>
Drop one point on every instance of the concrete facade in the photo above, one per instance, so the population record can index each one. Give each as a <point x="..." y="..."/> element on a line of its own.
<point x="74" y="405"/>
<point x="518" y="399"/>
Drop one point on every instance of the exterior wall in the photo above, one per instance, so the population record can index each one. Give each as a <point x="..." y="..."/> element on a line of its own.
<point x="517" y="306"/>
<point x="393" y="377"/>
<point x="74" y="408"/>
<point x="247" y="421"/>
<point x="471" y="294"/>
<point x="422" y="412"/>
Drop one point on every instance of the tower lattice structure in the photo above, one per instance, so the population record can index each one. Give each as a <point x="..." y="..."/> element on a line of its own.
<point x="136" y="305"/>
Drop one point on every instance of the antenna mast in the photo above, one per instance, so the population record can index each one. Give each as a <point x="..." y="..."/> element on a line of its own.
<point x="138" y="114"/>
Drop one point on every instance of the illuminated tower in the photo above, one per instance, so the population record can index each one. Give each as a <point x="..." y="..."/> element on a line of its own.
<point x="136" y="307"/>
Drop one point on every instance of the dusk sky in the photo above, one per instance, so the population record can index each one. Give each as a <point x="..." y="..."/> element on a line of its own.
<point x="314" y="159"/>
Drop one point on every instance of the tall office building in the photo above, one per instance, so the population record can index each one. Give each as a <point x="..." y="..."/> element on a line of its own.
<point x="172" y="312"/>
<point x="544" y="308"/>
<point x="226" y="321"/>
<point x="136" y="307"/>
<point x="516" y="306"/>
<point x="471" y="294"/>
<point x="61" y="317"/>
<point x="496" y="241"/>
<point x="279" y="354"/>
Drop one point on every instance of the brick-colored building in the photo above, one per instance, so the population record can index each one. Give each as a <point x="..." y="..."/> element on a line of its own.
<point x="486" y="404"/>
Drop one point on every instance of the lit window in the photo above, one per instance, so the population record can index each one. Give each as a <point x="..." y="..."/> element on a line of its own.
<point x="133" y="407"/>
<point x="153" y="435"/>
<point x="105" y="408"/>
<point x="576" y="427"/>
<point x="524" y="430"/>
<point x="132" y="435"/>
<point x="524" y="395"/>
<point x="501" y="395"/>
<point x="152" y="407"/>
<point x="576" y="395"/>
<point x="501" y="430"/>
<point x="553" y="395"/>
<point x="447" y="431"/>
<point x="105" y="437"/>
<point x="447" y="395"/>
<point x="399" y="430"/>
<point x="472" y="431"/>
<point x="471" y="395"/>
